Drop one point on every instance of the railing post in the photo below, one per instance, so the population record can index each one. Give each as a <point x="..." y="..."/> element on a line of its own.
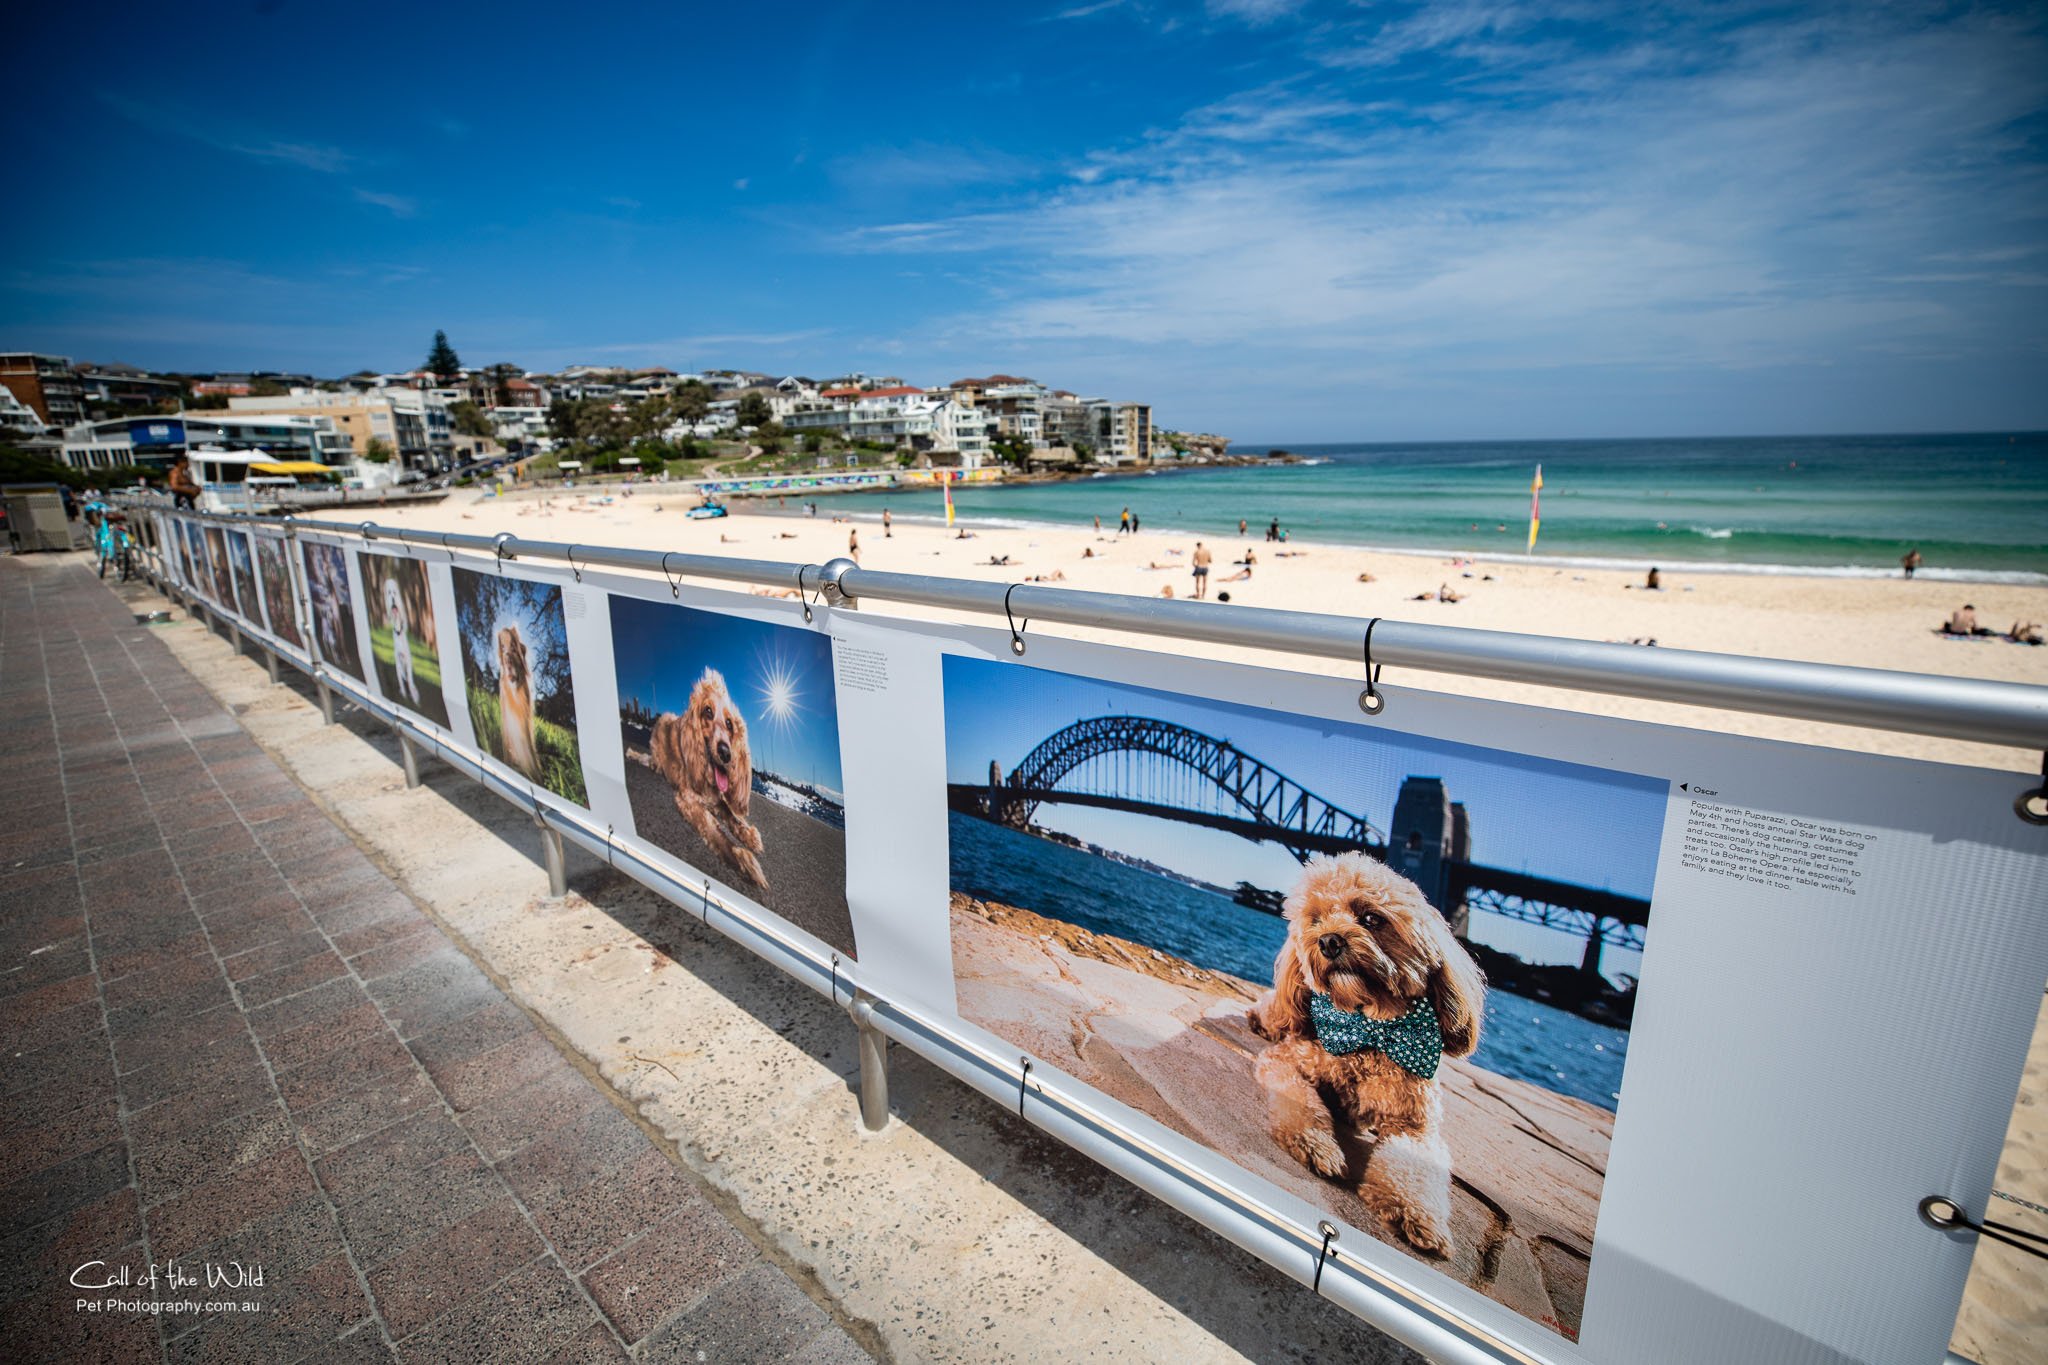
<point x="235" y="634"/>
<point x="874" y="1065"/>
<point x="270" y="658"/>
<point x="556" y="858"/>
<point x="834" y="595"/>
<point x="326" y="702"/>
<point x="409" y="755"/>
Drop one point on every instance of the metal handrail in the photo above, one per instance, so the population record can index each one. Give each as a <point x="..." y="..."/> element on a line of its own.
<point x="1988" y="712"/>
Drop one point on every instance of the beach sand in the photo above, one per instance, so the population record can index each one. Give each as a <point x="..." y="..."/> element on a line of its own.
<point x="1874" y="623"/>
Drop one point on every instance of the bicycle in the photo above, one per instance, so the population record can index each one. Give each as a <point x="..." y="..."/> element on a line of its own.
<point x="113" y="544"/>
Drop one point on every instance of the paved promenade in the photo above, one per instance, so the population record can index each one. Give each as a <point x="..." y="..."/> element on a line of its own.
<point x="227" y="1039"/>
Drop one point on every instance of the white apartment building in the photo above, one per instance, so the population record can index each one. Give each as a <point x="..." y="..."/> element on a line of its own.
<point x="157" y="441"/>
<point x="412" y="422"/>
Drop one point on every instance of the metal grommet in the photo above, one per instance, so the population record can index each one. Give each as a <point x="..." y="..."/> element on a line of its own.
<point x="498" y="548"/>
<point x="1016" y="634"/>
<point x="2032" y="806"/>
<point x="1329" y="1231"/>
<point x="1022" y="1077"/>
<point x="1942" y="1214"/>
<point x="1371" y="701"/>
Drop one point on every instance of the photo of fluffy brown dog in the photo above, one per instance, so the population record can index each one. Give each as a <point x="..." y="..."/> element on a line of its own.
<point x="703" y="754"/>
<point x="1364" y="939"/>
<point x="515" y="702"/>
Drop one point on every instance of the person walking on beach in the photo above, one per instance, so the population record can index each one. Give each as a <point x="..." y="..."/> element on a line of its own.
<point x="1273" y="530"/>
<point x="887" y="533"/>
<point x="184" y="488"/>
<point x="1241" y="527"/>
<point x="1098" y="528"/>
<point x="1134" y="523"/>
<point x="1911" y="560"/>
<point x="1124" y="526"/>
<point x="853" y="544"/>
<point x="1202" y="559"/>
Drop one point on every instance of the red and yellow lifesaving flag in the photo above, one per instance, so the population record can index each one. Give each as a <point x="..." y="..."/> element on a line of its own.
<point x="946" y="482"/>
<point x="1535" y="507"/>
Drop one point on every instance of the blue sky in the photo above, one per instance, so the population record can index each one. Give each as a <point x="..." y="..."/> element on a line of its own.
<point x="779" y="678"/>
<point x="1284" y="221"/>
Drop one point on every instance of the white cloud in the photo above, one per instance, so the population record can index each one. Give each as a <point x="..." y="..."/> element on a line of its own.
<point x="397" y="205"/>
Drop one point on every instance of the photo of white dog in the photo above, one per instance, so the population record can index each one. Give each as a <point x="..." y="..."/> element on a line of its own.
<point x="515" y="702"/>
<point x="401" y="640"/>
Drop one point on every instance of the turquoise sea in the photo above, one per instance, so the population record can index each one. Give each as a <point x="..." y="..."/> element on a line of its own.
<point x="1976" y="506"/>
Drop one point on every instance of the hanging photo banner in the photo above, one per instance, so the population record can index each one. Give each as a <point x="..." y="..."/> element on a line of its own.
<point x="723" y="755"/>
<point x="1559" y="1020"/>
<point x="331" y="602"/>
<point x="513" y="637"/>
<point x="405" y="619"/>
<point x="280" y="593"/>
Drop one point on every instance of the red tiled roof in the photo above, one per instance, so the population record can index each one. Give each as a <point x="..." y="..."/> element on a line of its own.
<point x="904" y="392"/>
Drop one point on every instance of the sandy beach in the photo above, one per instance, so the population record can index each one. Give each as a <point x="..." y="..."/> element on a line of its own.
<point x="1876" y="623"/>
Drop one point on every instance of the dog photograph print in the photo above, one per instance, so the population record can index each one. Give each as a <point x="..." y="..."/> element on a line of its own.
<point x="217" y="567"/>
<point x="515" y="673"/>
<point x="404" y="643"/>
<point x="243" y="567"/>
<point x="1393" y="976"/>
<point x="731" y="730"/>
<point x="196" y="573"/>
<point x="332" y="606"/>
<point x="273" y="572"/>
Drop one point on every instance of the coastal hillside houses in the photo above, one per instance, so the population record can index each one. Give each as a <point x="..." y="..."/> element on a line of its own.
<point x="413" y="423"/>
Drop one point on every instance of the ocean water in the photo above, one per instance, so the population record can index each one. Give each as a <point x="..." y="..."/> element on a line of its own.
<point x="1976" y="506"/>
<point x="1525" y="1039"/>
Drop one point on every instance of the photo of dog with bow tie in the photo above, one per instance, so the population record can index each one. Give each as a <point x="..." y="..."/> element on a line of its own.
<point x="1370" y="992"/>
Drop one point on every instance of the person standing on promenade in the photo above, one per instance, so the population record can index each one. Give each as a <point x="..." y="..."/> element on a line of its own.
<point x="853" y="545"/>
<point x="1202" y="560"/>
<point x="184" y="488"/>
<point x="1911" y="560"/>
<point x="1124" y="526"/>
<point x="887" y="533"/>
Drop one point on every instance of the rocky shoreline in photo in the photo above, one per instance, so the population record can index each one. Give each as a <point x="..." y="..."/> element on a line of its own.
<point x="1169" y="1039"/>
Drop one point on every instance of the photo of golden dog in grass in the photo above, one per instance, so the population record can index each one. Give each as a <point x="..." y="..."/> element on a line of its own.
<point x="1370" y="992"/>
<point x="515" y="702"/>
<point x="704" y="755"/>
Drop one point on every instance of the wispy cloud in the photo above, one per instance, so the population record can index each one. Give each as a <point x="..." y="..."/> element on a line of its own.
<point x="398" y="205"/>
<point x="170" y="119"/>
<point x="1680" y="198"/>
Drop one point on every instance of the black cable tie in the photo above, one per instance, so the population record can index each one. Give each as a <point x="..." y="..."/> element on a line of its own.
<point x="1022" y="1077"/>
<point x="1371" y="701"/>
<point x="1329" y="1232"/>
<point x="1016" y="634"/>
<point x="2033" y="1243"/>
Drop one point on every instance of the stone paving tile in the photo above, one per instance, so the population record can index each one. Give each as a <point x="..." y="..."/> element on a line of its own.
<point x="755" y="1317"/>
<point x="225" y="1035"/>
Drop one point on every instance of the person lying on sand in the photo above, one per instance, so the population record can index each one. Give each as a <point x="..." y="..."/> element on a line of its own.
<point x="1291" y="554"/>
<point x="1423" y="597"/>
<point x="1155" y="564"/>
<point x="998" y="561"/>
<point x="1088" y="552"/>
<point x="1238" y="577"/>
<point x="1367" y="578"/>
<point x="724" y="539"/>
<point x="773" y="592"/>
<point x="785" y="535"/>
<point x="965" y="534"/>
<point x="1166" y="591"/>
<point x="1964" y="622"/>
<point x="2025" y="633"/>
<point x="1446" y="593"/>
<point x="1056" y="576"/>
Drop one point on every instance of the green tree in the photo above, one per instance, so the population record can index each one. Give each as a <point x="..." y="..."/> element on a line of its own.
<point x="378" y="451"/>
<point x="442" y="362"/>
<point x="207" y="402"/>
<point x="1011" y="450"/>
<point x="468" y="419"/>
<point x="267" y="388"/>
<point x="813" y="442"/>
<point x="753" y="410"/>
<point x="691" y="401"/>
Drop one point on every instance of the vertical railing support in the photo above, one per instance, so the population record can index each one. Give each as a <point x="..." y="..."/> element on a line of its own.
<point x="874" y="1065"/>
<point x="556" y="858"/>
<point x="270" y="658"/>
<point x="326" y="702"/>
<point x="409" y="755"/>
<point x="235" y="634"/>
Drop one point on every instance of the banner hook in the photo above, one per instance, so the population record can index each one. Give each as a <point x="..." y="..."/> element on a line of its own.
<point x="1022" y="1077"/>
<point x="1016" y="634"/>
<point x="675" y="590"/>
<point x="1371" y="701"/>
<point x="1329" y="1232"/>
<point x="801" y="594"/>
<point x="573" y="567"/>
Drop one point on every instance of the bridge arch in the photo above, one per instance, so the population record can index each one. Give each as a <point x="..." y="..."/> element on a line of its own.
<point x="1259" y="801"/>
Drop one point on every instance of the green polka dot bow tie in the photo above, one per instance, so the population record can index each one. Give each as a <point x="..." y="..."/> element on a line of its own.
<point x="1415" y="1040"/>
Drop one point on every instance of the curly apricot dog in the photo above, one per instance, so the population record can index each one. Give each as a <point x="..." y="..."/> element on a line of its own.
<point x="1369" y="991"/>
<point x="704" y="755"/>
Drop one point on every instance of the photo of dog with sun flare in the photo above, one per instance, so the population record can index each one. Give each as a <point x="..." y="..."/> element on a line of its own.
<point x="731" y="731"/>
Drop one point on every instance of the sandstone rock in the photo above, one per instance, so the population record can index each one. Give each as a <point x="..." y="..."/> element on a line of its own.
<point x="1169" y="1039"/>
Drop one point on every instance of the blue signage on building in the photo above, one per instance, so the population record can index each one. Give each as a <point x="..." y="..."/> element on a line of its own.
<point x="156" y="434"/>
